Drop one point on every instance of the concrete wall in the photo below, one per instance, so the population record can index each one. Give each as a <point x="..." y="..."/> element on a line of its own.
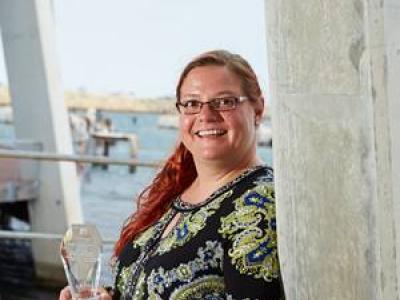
<point x="39" y="114"/>
<point x="333" y="67"/>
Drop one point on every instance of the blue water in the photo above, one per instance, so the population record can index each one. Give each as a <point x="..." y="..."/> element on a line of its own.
<point x="108" y="196"/>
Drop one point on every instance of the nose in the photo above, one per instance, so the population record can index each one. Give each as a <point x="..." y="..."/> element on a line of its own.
<point x="207" y="113"/>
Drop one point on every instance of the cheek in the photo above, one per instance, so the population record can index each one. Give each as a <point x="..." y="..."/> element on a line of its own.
<point x="185" y="125"/>
<point x="244" y="129"/>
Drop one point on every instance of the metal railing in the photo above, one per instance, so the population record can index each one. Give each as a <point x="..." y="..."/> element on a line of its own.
<point x="75" y="158"/>
<point x="46" y="156"/>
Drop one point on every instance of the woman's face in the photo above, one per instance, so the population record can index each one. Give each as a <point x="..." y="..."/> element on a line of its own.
<point x="223" y="136"/>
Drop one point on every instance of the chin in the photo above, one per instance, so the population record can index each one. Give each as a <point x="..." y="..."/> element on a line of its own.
<point x="215" y="156"/>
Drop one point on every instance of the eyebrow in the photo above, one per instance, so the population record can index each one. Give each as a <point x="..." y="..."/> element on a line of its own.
<point x="219" y="94"/>
<point x="191" y="96"/>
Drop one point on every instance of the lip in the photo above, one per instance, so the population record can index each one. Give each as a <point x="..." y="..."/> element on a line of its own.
<point x="210" y="132"/>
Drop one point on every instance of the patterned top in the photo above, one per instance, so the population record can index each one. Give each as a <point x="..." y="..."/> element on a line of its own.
<point x="222" y="248"/>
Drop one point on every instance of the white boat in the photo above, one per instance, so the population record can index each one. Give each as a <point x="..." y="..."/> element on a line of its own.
<point x="168" y="121"/>
<point x="6" y="115"/>
<point x="264" y="135"/>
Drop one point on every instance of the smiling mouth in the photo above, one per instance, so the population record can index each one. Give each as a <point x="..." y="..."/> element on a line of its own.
<point x="210" y="132"/>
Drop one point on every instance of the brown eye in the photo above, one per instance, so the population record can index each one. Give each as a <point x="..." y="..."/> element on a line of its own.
<point x="224" y="103"/>
<point x="191" y="104"/>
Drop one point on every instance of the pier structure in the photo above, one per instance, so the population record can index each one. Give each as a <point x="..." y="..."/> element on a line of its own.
<point x="334" y="69"/>
<point x="39" y="112"/>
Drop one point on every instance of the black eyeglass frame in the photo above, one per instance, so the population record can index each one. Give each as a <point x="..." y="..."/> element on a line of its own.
<point x="237" y="99"/>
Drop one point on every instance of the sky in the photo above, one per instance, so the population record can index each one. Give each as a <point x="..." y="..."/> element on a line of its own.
<point x="141" y="46"/>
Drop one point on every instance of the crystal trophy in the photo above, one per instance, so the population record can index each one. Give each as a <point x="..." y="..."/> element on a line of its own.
<point x="81" y="250"/>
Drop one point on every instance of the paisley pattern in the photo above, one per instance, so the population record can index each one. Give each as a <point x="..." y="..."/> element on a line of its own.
<point x="208" y="257"/>
<point x="215" y="250"/>
<point x="143" y="238"/>
<point x="208" y="288"/>
<point x="123" y="278"/>
<point x="190" y="225"/>
<point x="252" y="229"/>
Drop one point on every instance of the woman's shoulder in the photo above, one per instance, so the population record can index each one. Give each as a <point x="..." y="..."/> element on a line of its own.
<point x="248" y="228"/>
<point x="265" y="174"/>
<point x="260" y="181"/>
<point x="255" y="193"/>
<point x="258" y="175"/>
<point x="262" y="185"/>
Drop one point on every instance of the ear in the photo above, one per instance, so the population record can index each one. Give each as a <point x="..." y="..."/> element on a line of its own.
<point x="259" y="110"/>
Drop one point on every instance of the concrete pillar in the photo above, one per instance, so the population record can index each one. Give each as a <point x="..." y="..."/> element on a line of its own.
<point x="392" y="52"/>
<point x="40" y="114"/>
<point x="334" y="70"/>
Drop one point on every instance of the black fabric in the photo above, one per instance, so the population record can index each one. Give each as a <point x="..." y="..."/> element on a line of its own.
<point x="225" y="248"/>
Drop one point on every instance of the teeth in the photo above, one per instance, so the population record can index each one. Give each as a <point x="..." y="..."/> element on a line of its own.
<point x="210" y="132"/>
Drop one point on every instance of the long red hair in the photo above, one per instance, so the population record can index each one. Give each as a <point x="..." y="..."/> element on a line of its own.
<point x="179" y="171"/>
<point x="175" y="176"/>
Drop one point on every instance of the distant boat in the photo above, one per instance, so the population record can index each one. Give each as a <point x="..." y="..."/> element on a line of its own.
<point x="6" y="115"/>
<point x="264" y="135"/>
<point x="168" y="121"/>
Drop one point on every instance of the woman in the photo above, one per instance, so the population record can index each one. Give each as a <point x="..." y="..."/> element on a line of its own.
<point x="205" y="227"/>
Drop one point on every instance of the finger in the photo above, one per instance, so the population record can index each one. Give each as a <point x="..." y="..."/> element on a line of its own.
<point x="105" y="296"/>
<point x="65" y="294"/>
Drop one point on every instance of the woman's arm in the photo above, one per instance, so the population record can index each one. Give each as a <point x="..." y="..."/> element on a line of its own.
<point x="251" y="265"/>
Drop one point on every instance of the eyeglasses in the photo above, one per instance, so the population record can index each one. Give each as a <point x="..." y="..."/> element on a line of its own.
<point x="191" y="107"/>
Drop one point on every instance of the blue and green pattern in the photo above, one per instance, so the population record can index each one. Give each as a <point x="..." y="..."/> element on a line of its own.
<point x="190" y="225"/>
<point x="251" y="228"/>
<point x="208" y="257"/>
<point x="222" y="248"/>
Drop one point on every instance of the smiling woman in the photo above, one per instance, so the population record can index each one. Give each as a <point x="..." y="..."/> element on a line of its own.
<point x="223" y="136"/>
<point x="205" y="227"/>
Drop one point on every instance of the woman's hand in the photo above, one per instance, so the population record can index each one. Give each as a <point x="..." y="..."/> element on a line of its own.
<point x="65" y="294"/>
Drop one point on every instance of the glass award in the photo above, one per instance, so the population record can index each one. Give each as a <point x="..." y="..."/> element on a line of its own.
<point x="81" y="250"/>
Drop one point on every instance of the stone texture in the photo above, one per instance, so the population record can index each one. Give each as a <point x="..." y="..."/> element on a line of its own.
<point x="332" y="67"/>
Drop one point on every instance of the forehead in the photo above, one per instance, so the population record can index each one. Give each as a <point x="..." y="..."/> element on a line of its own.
<point x="210" y="80"/>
